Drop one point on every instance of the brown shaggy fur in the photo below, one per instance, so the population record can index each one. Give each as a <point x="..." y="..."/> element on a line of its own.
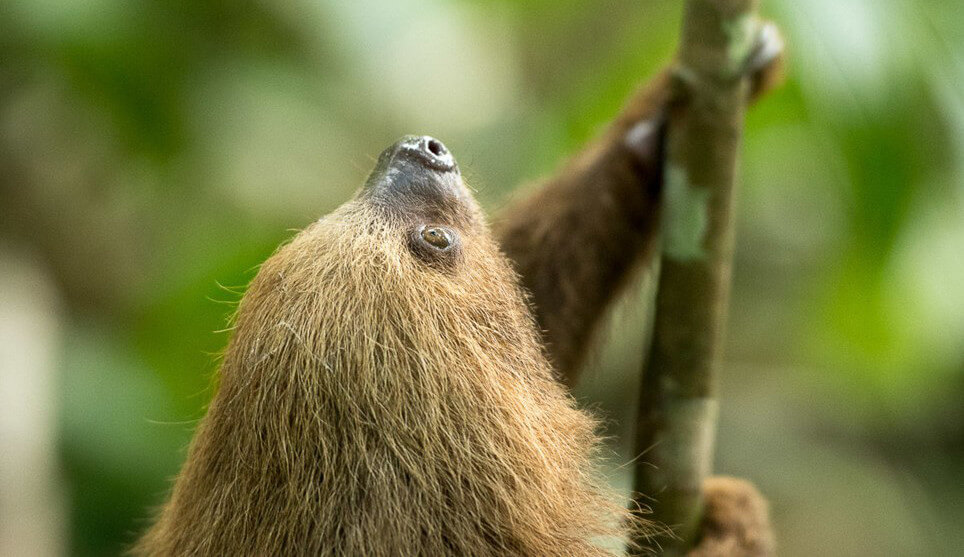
<point x="370" y="404"/>
<point x="375" y="403"/>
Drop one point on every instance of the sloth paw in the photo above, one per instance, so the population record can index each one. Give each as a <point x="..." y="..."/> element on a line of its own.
<point x="736" y="521"/>
<point x="648" y="112"/>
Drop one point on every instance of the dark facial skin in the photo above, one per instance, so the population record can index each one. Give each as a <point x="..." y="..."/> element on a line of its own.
<point x="418" y="177"/>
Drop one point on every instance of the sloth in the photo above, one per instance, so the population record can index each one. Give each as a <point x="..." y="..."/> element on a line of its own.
<point x="397" y="379"/>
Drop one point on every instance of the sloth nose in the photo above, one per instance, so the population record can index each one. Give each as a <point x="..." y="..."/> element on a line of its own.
<point x="416" y="169"/>
<point x="427" y="151"/>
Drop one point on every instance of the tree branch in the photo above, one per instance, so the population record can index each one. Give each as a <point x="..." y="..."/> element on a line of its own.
<point x="678" y="407"/>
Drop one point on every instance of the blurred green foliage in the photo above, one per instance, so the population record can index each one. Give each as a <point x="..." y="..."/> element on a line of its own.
<point x="153" y="153"/>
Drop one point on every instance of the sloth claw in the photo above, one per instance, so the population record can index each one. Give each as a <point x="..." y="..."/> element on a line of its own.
<point x="765" y="64"/>
<point x="769" y="47"/>
<point x="644" y="138"/>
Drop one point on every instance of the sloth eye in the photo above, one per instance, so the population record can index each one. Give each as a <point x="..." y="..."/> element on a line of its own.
<point x="435" y="245"/>
<point x="437" y="237"/>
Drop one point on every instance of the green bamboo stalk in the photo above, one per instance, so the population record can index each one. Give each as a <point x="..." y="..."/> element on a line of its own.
<point x="676" y="425"/>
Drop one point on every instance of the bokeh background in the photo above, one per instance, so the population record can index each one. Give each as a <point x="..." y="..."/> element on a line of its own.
<point x="152" y="153"/>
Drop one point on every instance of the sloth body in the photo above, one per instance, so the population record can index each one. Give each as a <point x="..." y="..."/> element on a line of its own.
<point x="396" y="380"/>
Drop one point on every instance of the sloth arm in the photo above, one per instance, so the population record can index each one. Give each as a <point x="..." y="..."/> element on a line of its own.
<point x="577" y="237"/>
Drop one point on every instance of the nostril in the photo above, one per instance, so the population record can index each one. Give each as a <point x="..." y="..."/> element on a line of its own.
<point x="436" y="148"/>
<point x="426" y="151"/>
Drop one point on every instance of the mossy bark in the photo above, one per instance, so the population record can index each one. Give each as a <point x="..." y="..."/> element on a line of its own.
<point x="678" y="407"/>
